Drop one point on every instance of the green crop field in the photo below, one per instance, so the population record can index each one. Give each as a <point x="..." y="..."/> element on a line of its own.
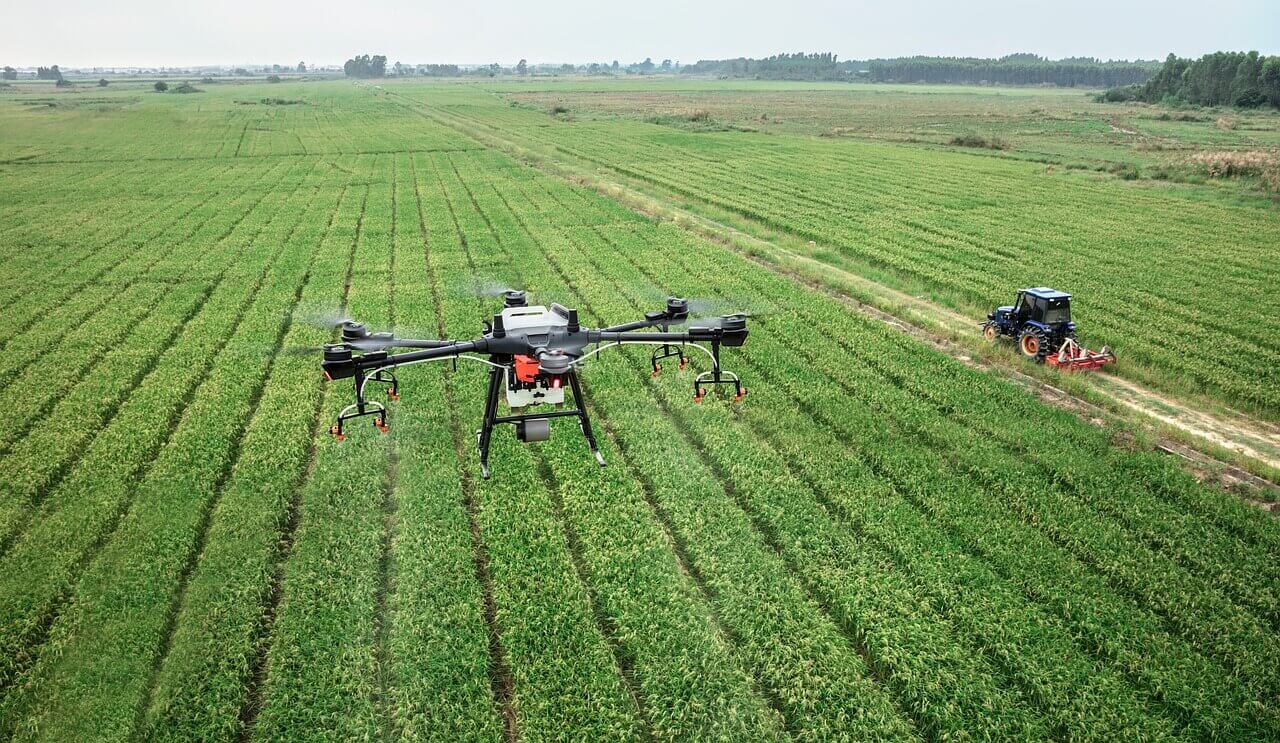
<point x="879" y="542"/>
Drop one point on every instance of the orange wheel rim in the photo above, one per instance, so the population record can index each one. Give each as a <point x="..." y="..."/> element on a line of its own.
<point x="990" y="332"/>
<point x="1030" y="345"/>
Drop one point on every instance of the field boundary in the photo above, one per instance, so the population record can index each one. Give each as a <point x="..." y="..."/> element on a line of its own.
<point x="1234" y="451"/>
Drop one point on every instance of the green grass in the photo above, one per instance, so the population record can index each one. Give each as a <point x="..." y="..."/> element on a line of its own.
<point x="877" y="543"/>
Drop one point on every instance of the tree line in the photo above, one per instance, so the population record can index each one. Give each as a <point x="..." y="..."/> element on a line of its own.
<point x="1244" y="79"/>
<point x="1013" y="69"/>
<point x="798" y="66"/>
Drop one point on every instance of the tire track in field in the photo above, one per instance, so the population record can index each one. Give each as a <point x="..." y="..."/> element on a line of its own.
<point x="623" y="662"/>
<point x="32" y="647"/>
<point x="56" y="476"/>
<point x="206" y="518"/>
<point x="503" y="681"/>
<point x="572" y="540"/>
<point x="679" y="547"/>
<point x="722" y="478"/>
<point x="253" y="698"/>
<point x="603" y="626"/>
<point x="386" y="557"/>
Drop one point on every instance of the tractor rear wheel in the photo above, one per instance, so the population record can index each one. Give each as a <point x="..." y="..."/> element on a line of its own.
<point x="1033" y="344"/>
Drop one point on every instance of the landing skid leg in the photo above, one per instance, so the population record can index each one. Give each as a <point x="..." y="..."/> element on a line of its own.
<point x="582" y="417"/>
<point x="490" y="413"/>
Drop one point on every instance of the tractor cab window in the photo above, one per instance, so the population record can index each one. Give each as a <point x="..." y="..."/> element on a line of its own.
<point x="1025" y="306"/>
<point x="1058" y="311"/>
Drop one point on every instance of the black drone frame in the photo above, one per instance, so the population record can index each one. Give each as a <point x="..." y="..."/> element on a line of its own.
<point x="559" y="351"/>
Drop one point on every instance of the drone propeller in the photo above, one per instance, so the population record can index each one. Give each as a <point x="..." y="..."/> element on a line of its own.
<point x="719" y="321"/>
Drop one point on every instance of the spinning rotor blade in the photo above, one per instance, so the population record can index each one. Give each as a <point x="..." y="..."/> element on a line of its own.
<point x="483" y="287"/>
<point x="329" y="317"/>
<point x="703" y="310"/>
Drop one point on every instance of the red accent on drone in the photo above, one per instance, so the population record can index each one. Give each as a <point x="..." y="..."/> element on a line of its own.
<point x="526" y="368"/>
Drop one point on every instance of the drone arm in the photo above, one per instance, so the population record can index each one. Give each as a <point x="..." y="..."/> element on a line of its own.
<point x="729" y="337"/>
<point x="340" y="363"/>
<point x="413" y="343"/>
<point x="429" y="353"/>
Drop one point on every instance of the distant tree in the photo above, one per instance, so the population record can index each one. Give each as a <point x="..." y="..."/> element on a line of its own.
<point x="102" y="83"/>
<point x="439" y="70"/>
<point x="161" y="86"/>
<point x="62" y="82"/>
<point x="10" y="73"/>
<point x="302" y="67"/>
<point x="522" y="67"/>
<point x="187" y="87"/>
<point x="646" y="66"/>
<point x="615" y="66"/>
<point x="276" y="68"/>
<point x="273" y="78"/>
<point x="240" y="71"/>
<point x="399" y="69"/>
<point x="1269" y="82"/>
<point x="48" y="73"/>
<point x="494" y="68"/>
<point x="366" y="66"/>
<point x="665" y="66"/>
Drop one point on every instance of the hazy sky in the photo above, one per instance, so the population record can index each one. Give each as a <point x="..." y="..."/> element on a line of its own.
<point x="76" y="33"/>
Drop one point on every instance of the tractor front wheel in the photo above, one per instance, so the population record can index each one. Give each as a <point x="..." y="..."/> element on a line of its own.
<point x="1033" y="345"/>
<point x="989" y="331"/>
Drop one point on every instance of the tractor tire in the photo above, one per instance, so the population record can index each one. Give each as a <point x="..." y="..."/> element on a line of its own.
<point x="1033" y="345"/>
<point x="990" y="332"/>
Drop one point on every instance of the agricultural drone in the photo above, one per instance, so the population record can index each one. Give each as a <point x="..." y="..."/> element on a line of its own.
<point x="533" y="353"/>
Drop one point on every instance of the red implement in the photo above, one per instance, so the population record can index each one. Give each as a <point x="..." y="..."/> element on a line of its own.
<point x="1074" y="357"/>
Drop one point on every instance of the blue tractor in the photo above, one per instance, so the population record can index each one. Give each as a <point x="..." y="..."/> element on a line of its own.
<point x="1040" y="321"/>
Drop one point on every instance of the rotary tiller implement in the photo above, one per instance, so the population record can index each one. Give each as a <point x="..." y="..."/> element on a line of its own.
<point x="1072" y="356"/>
<point x="534" y="354"/>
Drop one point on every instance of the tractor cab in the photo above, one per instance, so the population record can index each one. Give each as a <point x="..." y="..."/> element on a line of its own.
<point x="1048" y="308"/>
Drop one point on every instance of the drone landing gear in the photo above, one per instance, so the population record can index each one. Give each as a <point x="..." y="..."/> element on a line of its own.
<point x="530" y="426"/>
<point x="717" y="376"/>
<point x="362" y="407"/>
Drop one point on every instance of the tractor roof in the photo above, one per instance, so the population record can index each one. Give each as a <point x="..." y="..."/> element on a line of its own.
<point x="1045" y="292"/>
